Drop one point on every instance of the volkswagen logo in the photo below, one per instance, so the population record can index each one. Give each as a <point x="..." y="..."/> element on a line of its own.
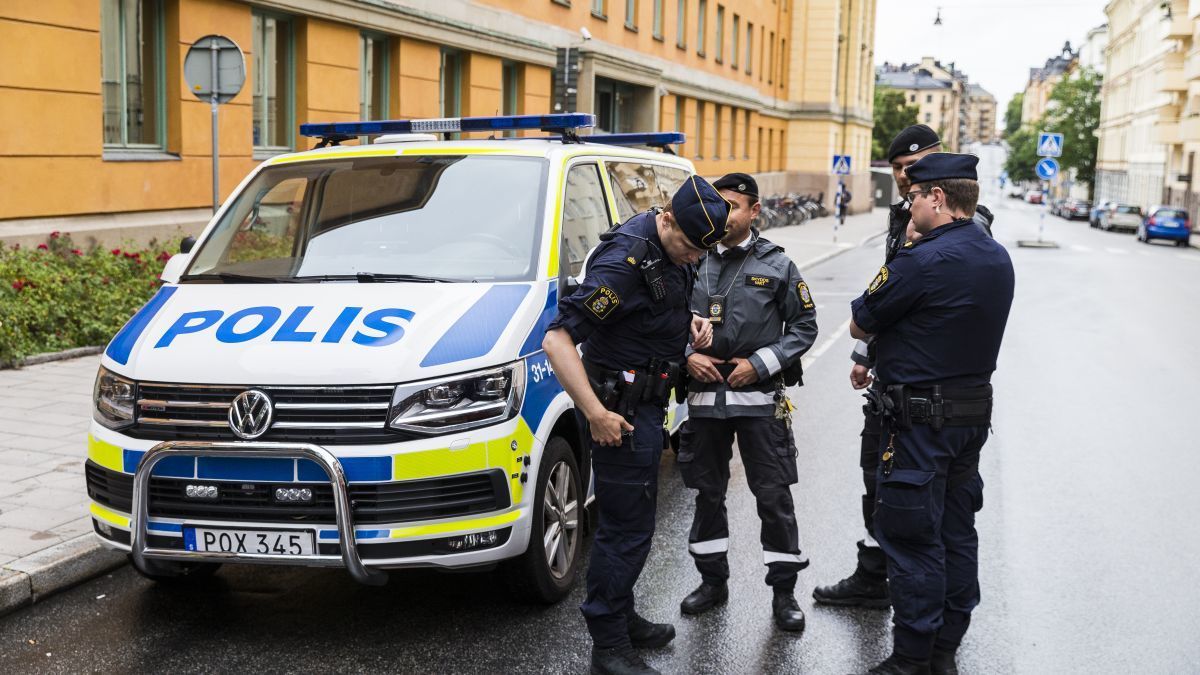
<point x="250" y="414"/>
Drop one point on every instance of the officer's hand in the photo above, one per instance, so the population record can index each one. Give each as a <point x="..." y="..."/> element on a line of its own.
<point x="911" y="234"/>
<point x="701" y="332"/>
<point x="743" y="374"/>
<point x="701" y="367"/>
<point x="607" y="428"/>
<point x="860" y="377"/>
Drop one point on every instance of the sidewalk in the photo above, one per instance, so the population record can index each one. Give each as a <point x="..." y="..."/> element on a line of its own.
<point x="46" y="541"/>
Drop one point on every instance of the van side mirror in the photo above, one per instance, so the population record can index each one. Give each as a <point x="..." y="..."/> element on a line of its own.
<point x="186" y="245"/>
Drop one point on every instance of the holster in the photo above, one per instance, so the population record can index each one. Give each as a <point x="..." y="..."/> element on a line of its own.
<point x="937" y="405"/>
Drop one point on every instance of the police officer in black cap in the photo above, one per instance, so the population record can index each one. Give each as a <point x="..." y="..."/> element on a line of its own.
<point x="764" y="319"/>
<point x="867" y="585"/>
<point x="938" y="311"/>
<point x="631" y="317"/>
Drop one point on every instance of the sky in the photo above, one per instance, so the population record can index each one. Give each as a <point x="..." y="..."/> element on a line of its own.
<point x="995" y="42"/>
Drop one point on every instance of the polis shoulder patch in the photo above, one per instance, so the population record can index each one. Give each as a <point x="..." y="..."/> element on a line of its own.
<point x="879" y="280"/>
<point x="602" y="302"/>
<point x="805" y="296"/>
<point x="760" y="281"/>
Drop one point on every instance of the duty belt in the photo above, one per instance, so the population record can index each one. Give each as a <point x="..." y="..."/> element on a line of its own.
<point x="622" y="391"/>
<point x="936" y="405"/>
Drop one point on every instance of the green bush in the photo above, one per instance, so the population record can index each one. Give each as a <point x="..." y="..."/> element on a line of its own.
<point x="57" y="296"/>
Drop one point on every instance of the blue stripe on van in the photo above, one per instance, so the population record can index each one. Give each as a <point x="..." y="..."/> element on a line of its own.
<point x="122" y="345"/>
<point x="533" y="342"/>
<point x="476" y="331"/>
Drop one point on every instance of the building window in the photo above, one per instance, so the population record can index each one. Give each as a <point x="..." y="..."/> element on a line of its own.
<point x="783" y="61"/>
<point x="771" y="61"/>
<point x="701" y="27"/>
<point x="681" y="24"/>
<point x="599" y="10"/>
<point x="746" y="135"/>
<point x="736" y="32"/>
<point x="720" y="56"/>
<point x="762" y="51"/>
<point x="131" y="73"/>
<point x="749" y="45"/>
<point x="717" y="132"/>
<point x="929" y="98"/>
<point x="928" y="118"/>
<point x="679" y="118"/>
<point x="273" y="97"/>
<point x="510" y="77"/>
<point x="658" y="19"/>
<point x="699" y="129"/>
<point x="733" y="122"/>
<point x="631" y="8"/>
<point x="373" y="85"/>
<point x="614" y="105"/>
<point x="912" y="98"/>
<point x="451" y="83"/>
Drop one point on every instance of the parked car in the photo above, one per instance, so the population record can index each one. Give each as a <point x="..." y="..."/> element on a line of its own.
<point x="1033" y="197"/>
<point x="1094" y="214"/>
<point x="1121" y="217"/>
<point x="1056" y="206"/>
<point x="1075" y="208"/>
<point x="1166" y="222"/>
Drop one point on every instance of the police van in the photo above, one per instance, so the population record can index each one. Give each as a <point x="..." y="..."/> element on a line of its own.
<point x="345" y="368"/>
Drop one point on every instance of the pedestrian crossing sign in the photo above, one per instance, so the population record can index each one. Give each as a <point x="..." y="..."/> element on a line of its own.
<point x="1050" y="145"/>
<point x="841" y="165"/>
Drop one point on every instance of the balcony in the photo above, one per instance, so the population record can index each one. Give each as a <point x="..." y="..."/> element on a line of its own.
<point x="1167" y="132"/>
<point x="1180" y="26"/>
<point x="1189" y="129"/>
<point x="1171" y="75"/>
<point x="1191" y="65"/>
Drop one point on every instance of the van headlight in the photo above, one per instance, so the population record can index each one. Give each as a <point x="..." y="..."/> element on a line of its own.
<point x="114" y="397"/>
<point x="459" y="402"/>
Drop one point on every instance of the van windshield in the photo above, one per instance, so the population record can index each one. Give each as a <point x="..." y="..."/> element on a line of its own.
<point x="441" y="217"/>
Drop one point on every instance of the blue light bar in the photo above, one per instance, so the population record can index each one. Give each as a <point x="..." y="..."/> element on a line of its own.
<point x="654" y="140"/>
<point x="561" y="122"/>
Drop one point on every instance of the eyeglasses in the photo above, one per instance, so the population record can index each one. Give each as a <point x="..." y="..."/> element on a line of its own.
<point x="908" y="196"/>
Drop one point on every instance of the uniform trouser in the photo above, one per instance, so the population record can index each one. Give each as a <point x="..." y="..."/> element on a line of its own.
<point x="626" y="497"/>
<point x="925" y="523"/>
<point x="769" y="456"/>
<point x="872" y="563"/>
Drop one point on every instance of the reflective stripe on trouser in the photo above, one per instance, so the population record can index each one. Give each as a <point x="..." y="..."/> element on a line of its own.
<point x="925" y="524"/>
<point x="769" y="457"/>
<point x="626" y="496"/>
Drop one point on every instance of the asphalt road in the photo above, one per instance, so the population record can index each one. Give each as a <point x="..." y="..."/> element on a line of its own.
<point x="1088" y="543"/>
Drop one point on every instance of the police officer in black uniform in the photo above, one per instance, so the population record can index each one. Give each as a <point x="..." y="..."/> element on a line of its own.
<point x="867" y="585"/>
<point x="764" y="319"/>
<point x="631" y="317"/>
<point x="938" y="311"/>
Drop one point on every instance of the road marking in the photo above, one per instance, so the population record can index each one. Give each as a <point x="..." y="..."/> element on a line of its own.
<point x="1116" y="251"/>
<point x="1081" y="249"/>
<point x="811" y="357"/>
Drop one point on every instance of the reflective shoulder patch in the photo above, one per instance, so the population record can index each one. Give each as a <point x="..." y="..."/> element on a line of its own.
<point x="760" y="281"/>
<point x="602" y="301"/>
<point x="879" y="280"/>
<point x="805" y="296"/>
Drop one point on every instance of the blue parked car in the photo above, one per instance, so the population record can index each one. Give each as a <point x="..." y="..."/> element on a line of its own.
<point x="1094" y="214"/>
<point x="1166" y="222"/>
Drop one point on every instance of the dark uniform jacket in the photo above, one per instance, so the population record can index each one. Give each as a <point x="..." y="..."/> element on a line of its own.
<point x="939" y="308"/>
<point x="612" y="313"/>
<point x="768" y="316"/>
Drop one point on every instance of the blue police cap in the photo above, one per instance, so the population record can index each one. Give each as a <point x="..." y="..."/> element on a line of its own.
<point x="942" y="166"/>
<point x="700" y="211"/>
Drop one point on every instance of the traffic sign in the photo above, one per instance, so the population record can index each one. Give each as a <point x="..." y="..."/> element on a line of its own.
<point x="214" y="65"/>
<point x="841" y="165"/>
<point x="1050" y="145"/>
<point x="1047" y="168"/>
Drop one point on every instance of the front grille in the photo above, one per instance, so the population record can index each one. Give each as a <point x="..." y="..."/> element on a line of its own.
<point x="404" y="501"/>
<point x="329" y="415"/>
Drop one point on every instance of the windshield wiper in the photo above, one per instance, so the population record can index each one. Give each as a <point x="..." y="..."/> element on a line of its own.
<point x="232" y="277"/>
<point x="375" y="277"/>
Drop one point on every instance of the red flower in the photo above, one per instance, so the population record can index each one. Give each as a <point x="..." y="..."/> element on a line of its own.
<point x="18" y="285"/>
<point x="163" y="257"/>
<point x="54" y="234"/>
<point x="115" y="251"/>
<point x="43" y="247"/>
<point x="76" y="251"/>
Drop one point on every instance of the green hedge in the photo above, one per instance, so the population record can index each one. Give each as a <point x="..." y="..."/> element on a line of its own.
<point x="57" y="296"/>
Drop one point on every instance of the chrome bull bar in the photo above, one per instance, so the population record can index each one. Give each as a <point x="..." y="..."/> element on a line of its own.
<point x="344" y="516"/>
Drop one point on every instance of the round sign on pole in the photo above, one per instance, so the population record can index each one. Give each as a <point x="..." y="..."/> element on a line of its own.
<point x="1047" y="168"/>
<point x="225" y="78"/>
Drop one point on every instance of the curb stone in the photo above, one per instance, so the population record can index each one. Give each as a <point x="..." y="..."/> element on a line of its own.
<point x="27" y="580"/>
<point x="52" y="356"/>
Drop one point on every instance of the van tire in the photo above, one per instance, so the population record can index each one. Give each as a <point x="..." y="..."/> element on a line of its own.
<point x="530" y="576"/>
<point x="175" y="573"/>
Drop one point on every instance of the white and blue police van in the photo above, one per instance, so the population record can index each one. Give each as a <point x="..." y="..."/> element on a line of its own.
<point x="345" y="368"/>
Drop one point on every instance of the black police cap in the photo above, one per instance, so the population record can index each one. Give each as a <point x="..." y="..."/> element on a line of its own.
<point x="701" y="212"/>
<point x="741" y="183"/>
<point x="942" y="166"/>
<point x="914" y="139"/>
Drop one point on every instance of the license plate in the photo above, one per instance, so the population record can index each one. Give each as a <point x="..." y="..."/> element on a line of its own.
<point x="262" y="542"/>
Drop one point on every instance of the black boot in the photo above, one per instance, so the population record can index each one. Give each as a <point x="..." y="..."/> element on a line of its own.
<point x="943" y="663"/>
<point x="645" y="634"/>
<point x="856" y="590"/>
<point x="788" y="615"/>
<point x="898" y="665"/>
<point x="619" y="661"/>
<point x="704" y="598"/>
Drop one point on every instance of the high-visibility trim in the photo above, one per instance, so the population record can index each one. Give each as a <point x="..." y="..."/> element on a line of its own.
<point x="709" y="547"/>
<point x="107" y="455"/>
<point x="773" y="556"/>
<point x="769" y="360"/>
<point x="456" y="526"/>
<point x="374" y="152"/>
<point x="111" y="517"/>
<point x="702" y="398"/>
<point x="749" y="398"/>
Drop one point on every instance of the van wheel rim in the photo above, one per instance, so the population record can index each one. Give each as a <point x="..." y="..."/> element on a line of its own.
<point x="560" y="520"/>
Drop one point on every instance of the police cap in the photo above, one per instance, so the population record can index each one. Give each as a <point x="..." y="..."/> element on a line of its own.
<point x="914" y="139"/>
<point x="700" y="211"/>
<point x="942" y="166"/>
<point x="741" y="183"/>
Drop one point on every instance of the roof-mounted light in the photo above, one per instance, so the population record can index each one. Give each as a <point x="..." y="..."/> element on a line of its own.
<point x="333" y="132"/>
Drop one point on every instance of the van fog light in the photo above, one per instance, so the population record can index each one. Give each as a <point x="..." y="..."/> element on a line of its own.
<point x="473" y="541"/>
<point x="201" y="492"/>
<point x="293" y="495"/>
<point x="104" y="529"/>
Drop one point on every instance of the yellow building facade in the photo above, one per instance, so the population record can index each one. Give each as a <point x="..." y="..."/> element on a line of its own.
<point x="102" y="137"/>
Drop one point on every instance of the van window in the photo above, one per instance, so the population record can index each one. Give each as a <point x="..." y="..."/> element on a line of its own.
<point x="634" y="187"/>
<point x="585" y="215"/>
<point x="669" y="179"/>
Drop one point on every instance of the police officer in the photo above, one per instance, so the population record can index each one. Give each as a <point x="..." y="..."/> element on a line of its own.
<point x="867" y="585"/>
<point x="630" y="314"/>
<point x="763" y="319"/>
<point x="938" y="311"/>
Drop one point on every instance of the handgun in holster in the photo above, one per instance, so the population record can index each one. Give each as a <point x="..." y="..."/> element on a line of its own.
<point x="896" y="406"/>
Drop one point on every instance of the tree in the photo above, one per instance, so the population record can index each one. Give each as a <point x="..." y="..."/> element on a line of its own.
<point x="892" y="115"/>
<point x="1012" y="115"/>
<point x="1022" y="155"/>
<point x="1074" y="111"/>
